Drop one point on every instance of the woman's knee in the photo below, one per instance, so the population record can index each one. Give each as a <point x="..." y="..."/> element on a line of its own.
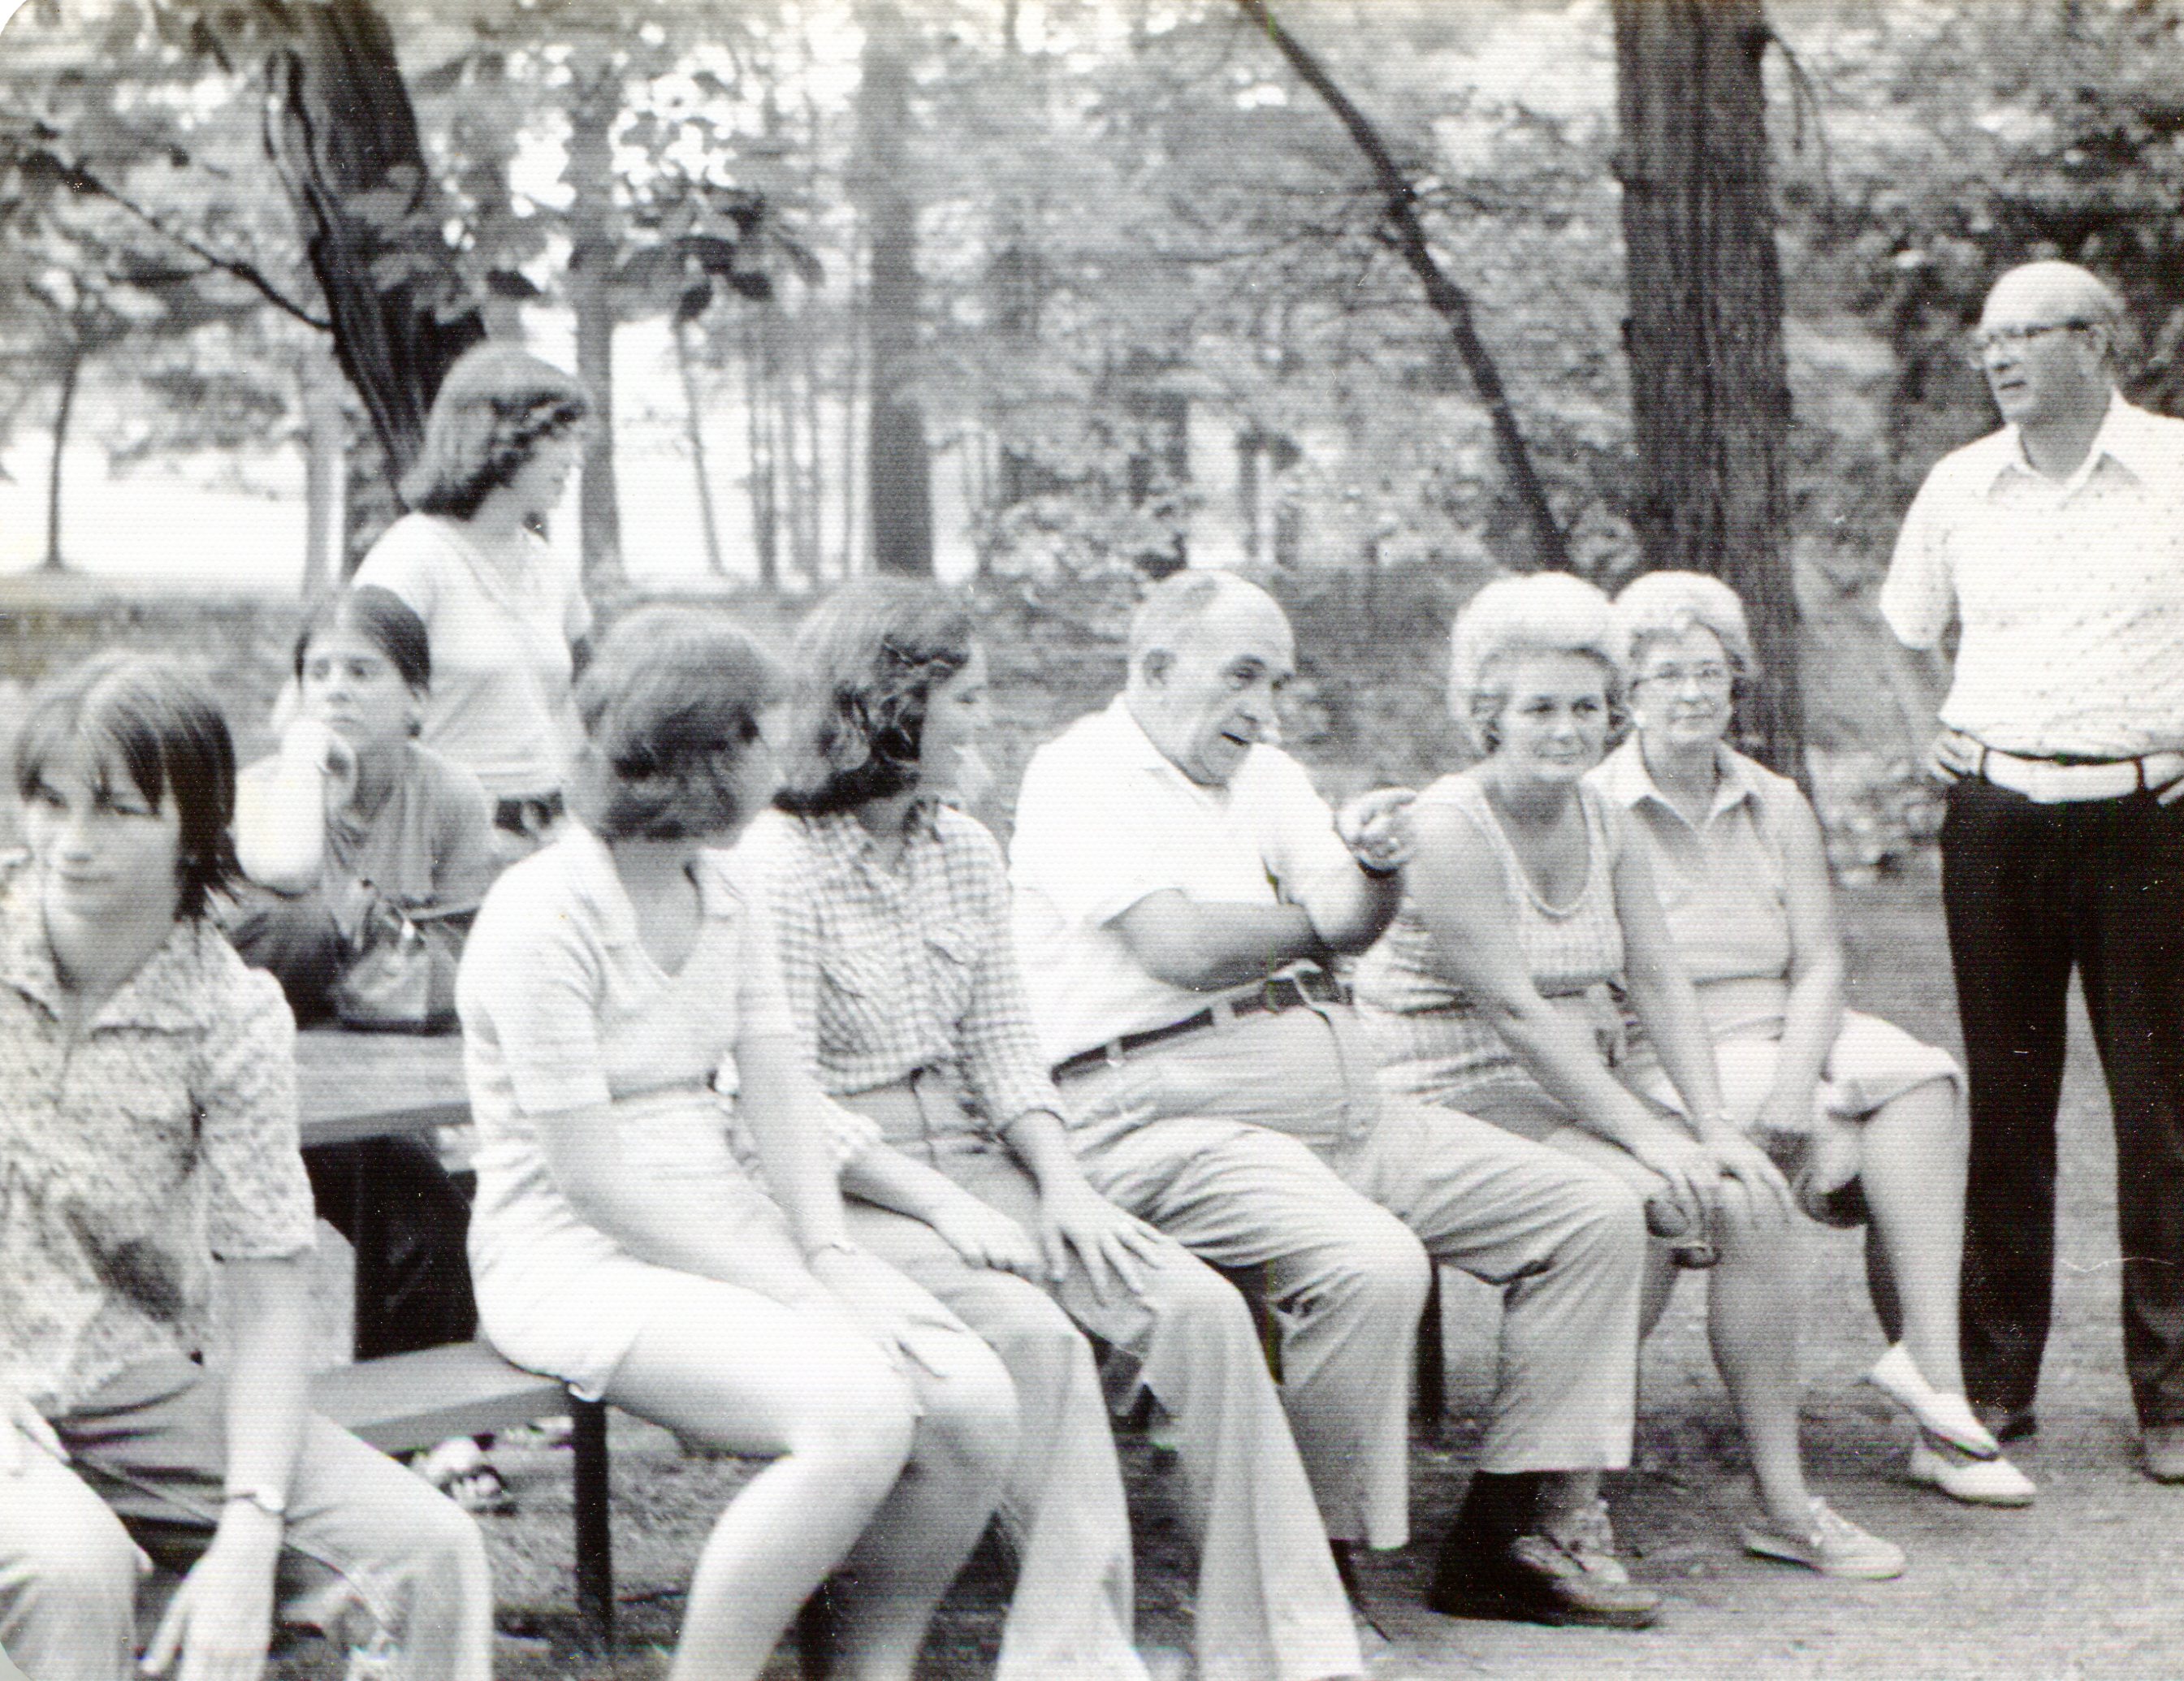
<point x="1383" y="1263"/>
<point x="970" y="1414"/>
<point x="860" y="1415"/>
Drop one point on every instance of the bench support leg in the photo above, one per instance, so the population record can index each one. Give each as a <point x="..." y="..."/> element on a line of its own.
<point x="595" y="1595"/>
<point x="1433" y="1365"/>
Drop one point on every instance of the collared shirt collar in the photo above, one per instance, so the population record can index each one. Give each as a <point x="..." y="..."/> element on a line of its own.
<point x="1625" y="780"/>
<point x="159" y="997"/>
<point x="1136" y="750"/>
<point x="840" y="840"/>
<point x="2123" y="438"/>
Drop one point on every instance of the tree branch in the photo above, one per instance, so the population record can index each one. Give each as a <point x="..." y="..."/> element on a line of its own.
<point x="1551" y="549"/>
<point x="80" y="179"/>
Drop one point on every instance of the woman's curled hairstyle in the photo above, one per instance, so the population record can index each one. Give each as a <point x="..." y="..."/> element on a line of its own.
<point x="144" y="717"/>
<point x="670" y="704"/>
<point x="867" y="660"/>
<point x="493" y="408"/>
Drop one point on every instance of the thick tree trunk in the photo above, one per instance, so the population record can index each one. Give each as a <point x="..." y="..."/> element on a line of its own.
<point x="1709" y="389"/>
<point x="898" y="461"/>
<point x="64" y="412"/>
<point x="343" y="138"/>
<point x="590" y="175"/>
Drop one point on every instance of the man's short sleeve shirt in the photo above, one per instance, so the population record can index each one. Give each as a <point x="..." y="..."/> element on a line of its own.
<point x="1103" y="820"/>
<point x="2070" y="593"/>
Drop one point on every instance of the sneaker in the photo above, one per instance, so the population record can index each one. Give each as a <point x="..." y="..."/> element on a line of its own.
<point x="1976" y="1482"/>
<point x="1833" y="1545"/>
<point x="1948" y="1417"/>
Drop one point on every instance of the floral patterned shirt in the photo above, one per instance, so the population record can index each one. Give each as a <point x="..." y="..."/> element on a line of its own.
<point x="161" y="1135"/>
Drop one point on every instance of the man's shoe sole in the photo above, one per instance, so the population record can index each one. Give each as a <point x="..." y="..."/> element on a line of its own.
<point x="1482" y="1605"/>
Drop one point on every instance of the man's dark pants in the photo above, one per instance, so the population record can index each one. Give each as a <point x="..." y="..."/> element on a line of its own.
<point x="2031" y="889"/>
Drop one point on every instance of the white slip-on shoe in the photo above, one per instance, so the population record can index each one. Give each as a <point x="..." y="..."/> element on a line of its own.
<point x="1832" y="1544"/>
<point x="1949" y="1417"/>
<point x="1976" y="1482"/>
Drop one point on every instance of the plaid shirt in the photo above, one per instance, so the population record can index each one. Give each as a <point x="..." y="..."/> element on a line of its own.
<point x="892" y="971"/>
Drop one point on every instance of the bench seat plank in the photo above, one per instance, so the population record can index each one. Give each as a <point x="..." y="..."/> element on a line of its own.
<point x="414" y="1401"/>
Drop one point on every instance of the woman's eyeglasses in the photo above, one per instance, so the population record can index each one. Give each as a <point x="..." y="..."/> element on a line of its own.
<point x="1706" y="677"/>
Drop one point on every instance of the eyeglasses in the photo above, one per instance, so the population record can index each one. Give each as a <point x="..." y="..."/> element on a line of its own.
<point x="1709" y="675"/>
<point x="1979" y="345"/>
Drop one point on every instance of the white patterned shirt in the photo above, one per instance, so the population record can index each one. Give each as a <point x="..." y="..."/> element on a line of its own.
<point x="162" y="1135"/>
<point x="2070" y="593"/>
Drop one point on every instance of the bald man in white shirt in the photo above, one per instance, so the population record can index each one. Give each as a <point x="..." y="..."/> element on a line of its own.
<point x="2057" y="546"/>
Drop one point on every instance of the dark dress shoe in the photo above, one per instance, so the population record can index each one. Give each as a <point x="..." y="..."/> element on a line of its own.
<point x="2009" y="1423"/>
<point x="1531" y="1579"/>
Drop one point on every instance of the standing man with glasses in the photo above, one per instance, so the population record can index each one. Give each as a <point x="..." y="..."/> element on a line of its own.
<point x="2057" y="546"/>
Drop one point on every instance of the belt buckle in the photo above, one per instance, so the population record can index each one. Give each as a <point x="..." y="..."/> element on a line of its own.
<point x="1110" y="1053"/>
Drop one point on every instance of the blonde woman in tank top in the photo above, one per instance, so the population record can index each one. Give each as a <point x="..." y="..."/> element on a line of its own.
<point x="1529" y="980"/>
<point x="1869" y="1121"/>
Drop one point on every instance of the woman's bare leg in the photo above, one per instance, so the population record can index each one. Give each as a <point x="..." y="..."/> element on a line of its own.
<point x="1751" y="1324"/>
<point x="1912" y="1169"/>
<point x="916" y="1542"/>
<point x="740" y="1373"/>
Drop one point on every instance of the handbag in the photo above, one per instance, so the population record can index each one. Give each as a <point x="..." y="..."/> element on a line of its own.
<point x="401" y="978"/>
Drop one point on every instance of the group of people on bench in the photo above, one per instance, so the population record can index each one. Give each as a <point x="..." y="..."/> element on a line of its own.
<point x="816" y="1128"/>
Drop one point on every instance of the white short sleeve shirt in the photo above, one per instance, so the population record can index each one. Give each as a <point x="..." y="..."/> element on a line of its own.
<point x="500" y="642"/>
<point x="1103" y="820"/>
<point x="2070" y="593"/>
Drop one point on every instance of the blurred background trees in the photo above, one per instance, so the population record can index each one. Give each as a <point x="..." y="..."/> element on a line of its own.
<point x="1065" y="293"/>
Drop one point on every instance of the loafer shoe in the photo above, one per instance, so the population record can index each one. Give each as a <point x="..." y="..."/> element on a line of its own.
<point x="1976" y="1482"/>
<point x="1830" y="1543"/>
<point x="1534" y="1578"/>
<point x="2163" y="1445"/>
<point x="1949" y="1417"/>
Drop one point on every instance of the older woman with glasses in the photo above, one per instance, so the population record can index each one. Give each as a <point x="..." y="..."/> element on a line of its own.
<point x="1868" y="1121"/>
<point x="1529" y="928"/>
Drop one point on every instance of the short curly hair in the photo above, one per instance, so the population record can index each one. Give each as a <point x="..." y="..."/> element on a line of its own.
<point x="670" y="704"/>
<point x="493" y="408"/>
<point x="1658" y="605"/>
<point x="156" y="723"/>
<point x="867" y="660"/>
<point x="1535" y="613"/>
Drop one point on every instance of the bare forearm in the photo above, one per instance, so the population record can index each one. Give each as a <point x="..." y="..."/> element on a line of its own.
<point x="1042" y="1144"/>
<point x="1349" y="908"/>
<point x="268" y="1381"/>
<point x="1561" y="1057"/>
<point x="1232" y="945"/>
<point x="1810" y="1022"/>
<point x="889" y="1179"/>
<point x="1669" y="1010"/>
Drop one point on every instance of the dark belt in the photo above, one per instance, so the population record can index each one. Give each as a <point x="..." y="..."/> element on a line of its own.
<point x="530" y="814"/>
<point x="1299" y="991"/>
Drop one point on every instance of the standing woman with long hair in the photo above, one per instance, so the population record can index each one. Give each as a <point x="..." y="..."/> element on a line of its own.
<point x="149" y="1129"/>
<point x="503" y="612"/>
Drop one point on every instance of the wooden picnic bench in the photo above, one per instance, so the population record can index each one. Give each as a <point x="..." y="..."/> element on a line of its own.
<point x="353" y="1085"/>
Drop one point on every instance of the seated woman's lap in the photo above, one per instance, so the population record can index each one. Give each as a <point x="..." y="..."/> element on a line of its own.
<point x="739" y="1372"/>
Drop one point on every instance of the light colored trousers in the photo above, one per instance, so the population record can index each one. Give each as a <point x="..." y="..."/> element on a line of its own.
<point x="372" y="1555"/>
<point x="1266" y="1141"/>
<point x="1269" y="1604"/>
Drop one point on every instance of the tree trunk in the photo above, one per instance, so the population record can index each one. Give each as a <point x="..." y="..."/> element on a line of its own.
<point x="758" y="422"/>
<point x="343" y="139"/>
<point x="694" y="431"/>
<point x="590" y="177"/>
<point x="326" y="431"/>
<point x="899" y="465"/>
<point x="64" y="412"/>
<point x="1709" y="388"/>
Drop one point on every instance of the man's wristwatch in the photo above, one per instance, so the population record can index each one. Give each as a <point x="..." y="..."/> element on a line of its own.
<point x="269" y="1500"/>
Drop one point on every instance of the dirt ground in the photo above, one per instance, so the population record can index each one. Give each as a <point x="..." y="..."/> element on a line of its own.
<point x="2083" y="1587"/>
